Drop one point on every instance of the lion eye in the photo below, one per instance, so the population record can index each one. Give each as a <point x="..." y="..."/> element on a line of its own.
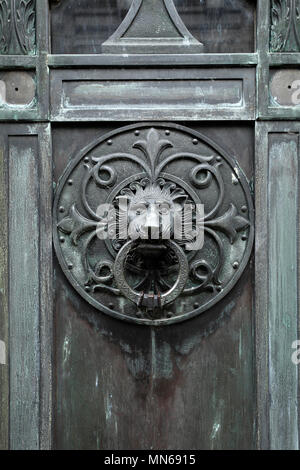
<point x="164" y="209"/>
<point x="139" y="209"/>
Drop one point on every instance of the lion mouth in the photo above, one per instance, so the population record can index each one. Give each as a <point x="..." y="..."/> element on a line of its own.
<point x="151" y="248"/>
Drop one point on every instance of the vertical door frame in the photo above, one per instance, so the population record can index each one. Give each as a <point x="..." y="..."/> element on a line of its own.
<point x="277" y="283"/>
<point x="26" y="319"/>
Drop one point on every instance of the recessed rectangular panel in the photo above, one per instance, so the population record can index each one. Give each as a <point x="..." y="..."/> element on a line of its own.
<point x="125" y="386"/>
<point x="4" y="318"/>
<point x="283" y="285"/>
<point x="24" y="296"/>
<point x="149" y="94"/>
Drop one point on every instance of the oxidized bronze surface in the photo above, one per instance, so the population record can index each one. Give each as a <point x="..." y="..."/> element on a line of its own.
<point x="151" y="275"/>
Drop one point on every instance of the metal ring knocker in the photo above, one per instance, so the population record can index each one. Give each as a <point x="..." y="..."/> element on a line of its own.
<point x="151" y="300"/>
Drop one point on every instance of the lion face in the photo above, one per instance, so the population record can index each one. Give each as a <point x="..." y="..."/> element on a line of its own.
<point x="152" y="210"/>
<point x="152" y="219"/>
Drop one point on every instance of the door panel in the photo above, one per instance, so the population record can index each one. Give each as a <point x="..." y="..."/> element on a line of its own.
<point x="125" y="386"/>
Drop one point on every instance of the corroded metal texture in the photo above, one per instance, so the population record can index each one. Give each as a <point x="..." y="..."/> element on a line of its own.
<point x="124" y="387"/>
<point x="158" y="162"/>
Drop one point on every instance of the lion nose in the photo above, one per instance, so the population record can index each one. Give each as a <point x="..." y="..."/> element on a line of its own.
<point x="152" y="222"/>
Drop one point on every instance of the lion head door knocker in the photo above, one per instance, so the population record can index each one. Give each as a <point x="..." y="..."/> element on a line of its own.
<point x="153" y="223"/>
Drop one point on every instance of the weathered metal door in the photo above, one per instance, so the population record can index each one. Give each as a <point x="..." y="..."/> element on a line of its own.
<point x="149" y="197"/>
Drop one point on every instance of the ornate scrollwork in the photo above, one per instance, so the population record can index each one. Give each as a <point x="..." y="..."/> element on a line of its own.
<point x="285" y="26"/>
<point x="155" y="178"/>
<point x="17" y="26"/>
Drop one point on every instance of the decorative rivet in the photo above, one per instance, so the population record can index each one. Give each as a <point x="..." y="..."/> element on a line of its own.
<point x="195" y="141"/>
<point x="169" y="314"/>
<point x="235" y="265"/>
<point x="70" y="182"/>
<point x="196" y="305"/>
<point x="61" y="209"/>
<point x="86" y="159"/>
<point x="62" y="240"/>
<point x="219" y="159"/>
<point x="244" y="209"/>
<point x="244" y="238"/>
<point x="87" y="288"/>
<point x="219" y="288"/>
<point x="167" y="132"/>
<point x="109" y="142"/>
<point x="137" y="132"/>
<point x="70" y="266"/>
<point x="111" y="306"/>
<point x="235" y="181"/>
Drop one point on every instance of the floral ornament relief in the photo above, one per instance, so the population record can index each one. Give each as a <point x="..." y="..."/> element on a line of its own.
<point x="17" y="26"/>
<point x="153" y="266"/>
<point x="285" y="26"/>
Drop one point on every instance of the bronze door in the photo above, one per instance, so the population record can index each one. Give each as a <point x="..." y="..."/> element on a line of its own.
<point x="150" y="207"/>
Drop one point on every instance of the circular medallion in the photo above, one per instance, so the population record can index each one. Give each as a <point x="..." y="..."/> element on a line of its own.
<point x="153" y="223"/>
